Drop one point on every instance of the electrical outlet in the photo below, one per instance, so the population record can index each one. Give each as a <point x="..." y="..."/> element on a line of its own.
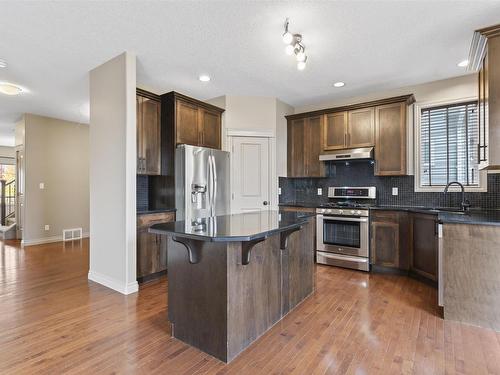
<point x="42" y="186"/>
<point x="279" y="191"/>
<point x="320" y="191"/>
<point x="47" y="227"/>
<point x="395" y="191"/>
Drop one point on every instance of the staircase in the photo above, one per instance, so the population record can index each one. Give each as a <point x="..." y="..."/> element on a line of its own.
<point x="7" y="209"/>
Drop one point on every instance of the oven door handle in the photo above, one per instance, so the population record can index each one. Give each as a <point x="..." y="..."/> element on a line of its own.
<point x="343" y="218"/>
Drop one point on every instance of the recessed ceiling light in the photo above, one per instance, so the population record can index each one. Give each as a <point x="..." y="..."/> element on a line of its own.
<point x="3" y="63"/>
<point x="463" y="64"/>
<point x="339" y="84"/>
<point x="204" y="78"/>
<point x="10" y="89"/>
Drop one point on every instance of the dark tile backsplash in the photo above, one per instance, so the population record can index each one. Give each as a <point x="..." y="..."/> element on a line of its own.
<point x="142" y="191"/>
<point x="304" y="190"/>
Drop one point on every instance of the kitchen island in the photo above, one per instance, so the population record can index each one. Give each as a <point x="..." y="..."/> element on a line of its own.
<point x="232" y="277"/>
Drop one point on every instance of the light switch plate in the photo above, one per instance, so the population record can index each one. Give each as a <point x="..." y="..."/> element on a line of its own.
<point x="395" y="191"/>
<point x="279" y="191"/>
<point x="42" y="186"/>
<point x="320" y="191"/>
<point x="47" y="227"/>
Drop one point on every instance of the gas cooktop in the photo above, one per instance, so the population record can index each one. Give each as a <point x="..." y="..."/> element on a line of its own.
<point x="346" y="204"/>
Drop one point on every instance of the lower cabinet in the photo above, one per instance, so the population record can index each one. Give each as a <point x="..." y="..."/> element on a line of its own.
<point x="389" y="239"/>
<point x="424" y="249"/>
<point x="151" y="248"/>
<point x="405" y="241"/>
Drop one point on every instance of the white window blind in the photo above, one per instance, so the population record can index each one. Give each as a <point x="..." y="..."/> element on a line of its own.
<point x="448" y="145"/>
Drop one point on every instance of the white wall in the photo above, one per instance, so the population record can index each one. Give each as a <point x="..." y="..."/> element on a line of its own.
<point x="443" y="90"/>
<point x="113" y="174"/>
<point x="56" y="153"/>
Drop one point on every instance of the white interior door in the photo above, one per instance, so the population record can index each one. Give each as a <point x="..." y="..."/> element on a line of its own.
<point x="250" y="166"/>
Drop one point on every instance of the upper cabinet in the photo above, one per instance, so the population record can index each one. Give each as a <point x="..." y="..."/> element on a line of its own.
<point x="304" y="147"/>
<point x="188" y="121"/>
<point x="335" y="131"/>
<point x="148" y="108"/>
<point x="361" y="128"/>
<point x="349" y="129"/>
<point x="390" y="139"/>
<point x="381" y="124"/>
<point x="193" y="122"/>
<point x="485" y="58"/>
<point x="210" y="128"/>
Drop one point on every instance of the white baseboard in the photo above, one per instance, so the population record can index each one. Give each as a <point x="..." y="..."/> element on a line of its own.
<point x="39" y="241"/>
<point x="112" y="283"/>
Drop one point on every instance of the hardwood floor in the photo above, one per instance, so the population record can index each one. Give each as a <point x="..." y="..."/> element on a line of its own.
<point x="54" y="321"/>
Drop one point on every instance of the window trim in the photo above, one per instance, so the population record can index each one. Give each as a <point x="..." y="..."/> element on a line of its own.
<point x="419" y="106"/>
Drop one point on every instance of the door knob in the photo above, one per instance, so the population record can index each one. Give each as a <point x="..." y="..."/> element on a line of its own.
<point x="265" y="203"/>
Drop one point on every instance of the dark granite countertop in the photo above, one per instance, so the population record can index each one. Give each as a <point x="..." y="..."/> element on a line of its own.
<point x="300" y="204"/>
<point x="147" y="212"/>
<point x="482" y="217"/>
<point x="445" y="214"/>
<point x="234" y="228"/>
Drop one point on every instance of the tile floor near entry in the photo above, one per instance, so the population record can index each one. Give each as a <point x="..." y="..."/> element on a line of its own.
<point x="54" y="321"/>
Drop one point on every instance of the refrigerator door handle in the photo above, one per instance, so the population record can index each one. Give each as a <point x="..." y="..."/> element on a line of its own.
<point x="214" y="175"/>
<point x="210" y="185"/>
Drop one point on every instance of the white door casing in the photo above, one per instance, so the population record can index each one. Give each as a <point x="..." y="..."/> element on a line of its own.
<point x="250" y="173"/>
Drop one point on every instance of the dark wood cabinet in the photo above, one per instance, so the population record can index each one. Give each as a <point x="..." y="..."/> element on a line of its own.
<point x="148" y="111"/>
<point x="389" y="239"/>
<point x="405" y="241"/>
<point x="210" y="128"/>
<point x="334" y="131"/>
<point x="485" y="58"/>
<point x="304" y="147"/>
<point x="196" y="123"/>
<point x="361" y="128"/>
<point x="381" y="123"/>
<point x="295" y="148"/>
<point x="151" y="253"/>
<point x="424" y="245"/>
<point x="390" y="139"/>
<point x="186" y="123"/>
<point x="314" y="168"/>
<point x="151" y="248"/>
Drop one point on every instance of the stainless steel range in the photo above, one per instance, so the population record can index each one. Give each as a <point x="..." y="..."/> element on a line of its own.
<point x="343" y="237"/>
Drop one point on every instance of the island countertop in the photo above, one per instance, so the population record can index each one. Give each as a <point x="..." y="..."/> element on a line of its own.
<point x="242" y="227"/>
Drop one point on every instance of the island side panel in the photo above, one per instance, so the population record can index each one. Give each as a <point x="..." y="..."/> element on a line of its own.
<point x="254" y="293"/>
<point x="471" y="274"/>
<point x="197" y="296"/>
<point x="298" y="267"/>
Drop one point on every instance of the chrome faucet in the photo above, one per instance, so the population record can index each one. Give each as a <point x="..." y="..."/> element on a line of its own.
<point x="465" y="204"/>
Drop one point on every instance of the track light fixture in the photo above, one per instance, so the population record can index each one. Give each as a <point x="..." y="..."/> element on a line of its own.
<point x="295" y="46"/>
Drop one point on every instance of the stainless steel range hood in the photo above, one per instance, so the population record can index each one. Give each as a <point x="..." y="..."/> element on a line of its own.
<point x="348" y="154"/>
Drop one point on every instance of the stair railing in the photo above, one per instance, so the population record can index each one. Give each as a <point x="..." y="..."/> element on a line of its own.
<point x="7" y="200"/>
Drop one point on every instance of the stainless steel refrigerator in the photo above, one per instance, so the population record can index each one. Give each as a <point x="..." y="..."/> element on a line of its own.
<point x="201" y="182"/>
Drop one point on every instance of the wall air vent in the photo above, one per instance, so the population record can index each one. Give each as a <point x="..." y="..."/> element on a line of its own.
<point x="72" y="234"/>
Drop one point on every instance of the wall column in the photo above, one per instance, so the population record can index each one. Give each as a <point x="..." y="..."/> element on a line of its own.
<point x="113" y="174"/>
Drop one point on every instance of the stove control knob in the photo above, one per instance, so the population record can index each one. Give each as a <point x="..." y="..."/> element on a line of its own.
<point x="341" y="212"/>
<point x="352" y="212"/>
<point x="358" y="212"/>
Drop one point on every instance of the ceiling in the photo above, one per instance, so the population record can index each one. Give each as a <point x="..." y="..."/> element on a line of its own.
<point x="370" y="45"/>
